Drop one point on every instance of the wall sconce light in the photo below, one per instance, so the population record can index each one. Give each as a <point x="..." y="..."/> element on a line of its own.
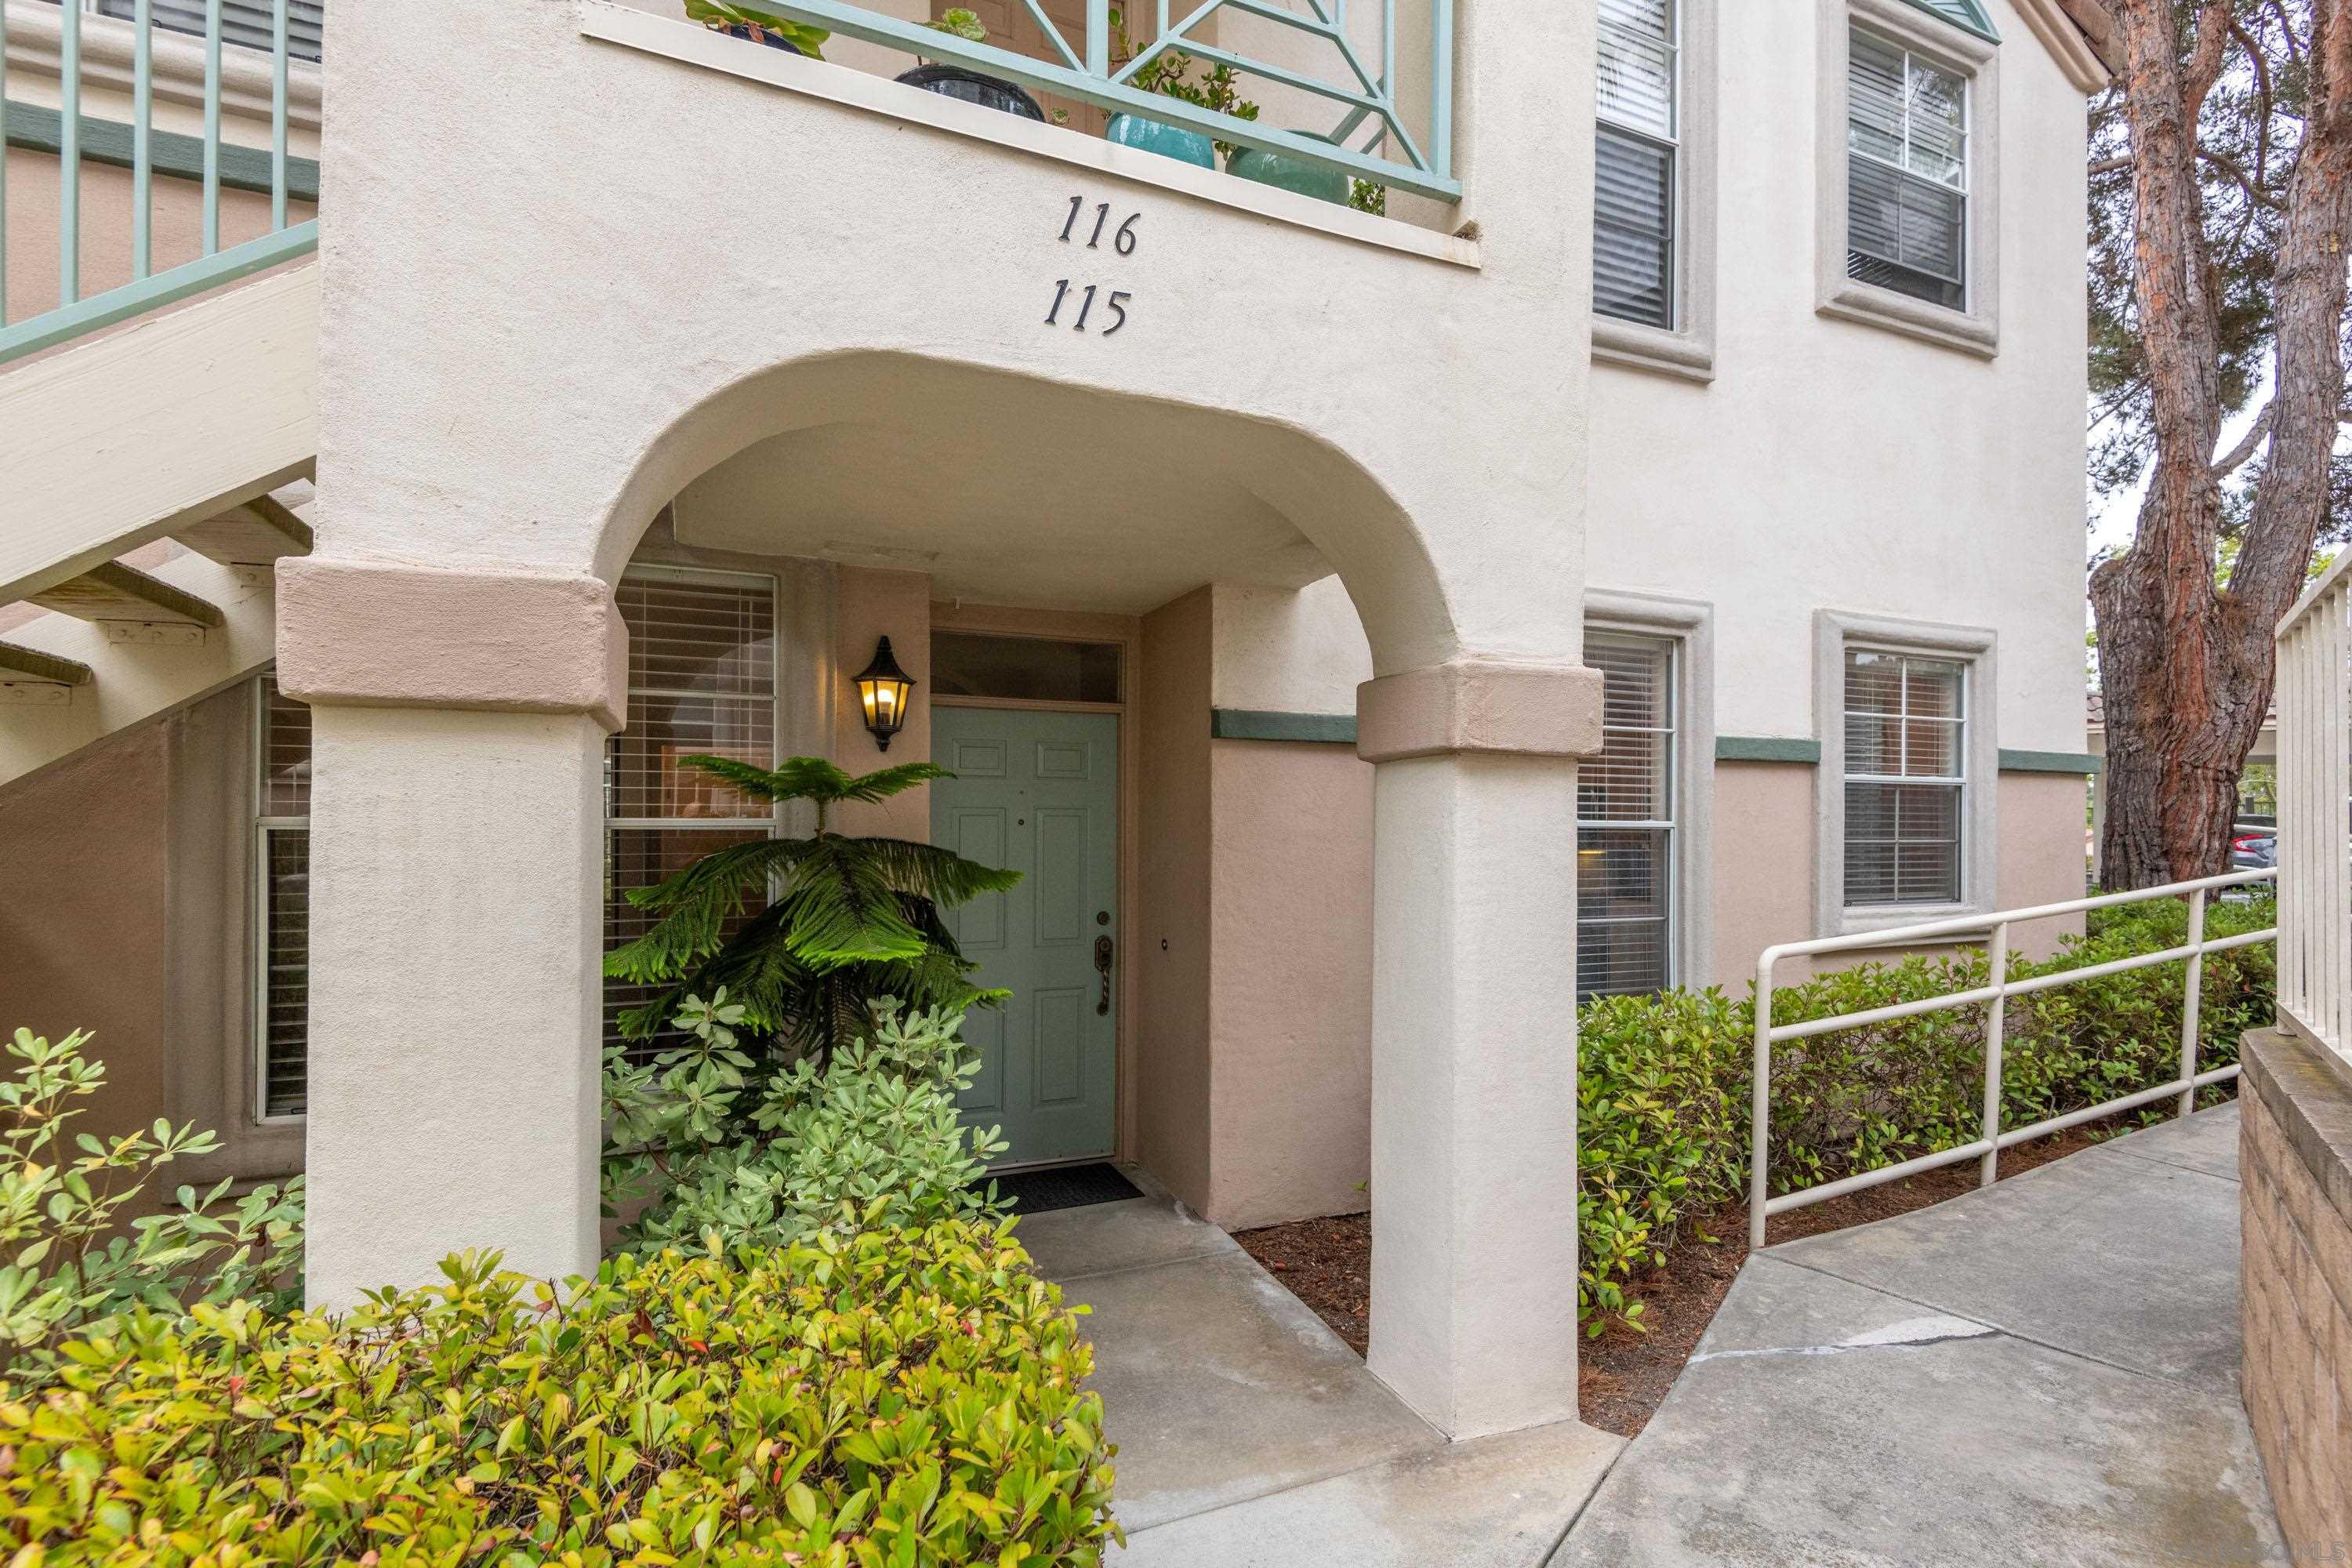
<point x="884" y="688"/>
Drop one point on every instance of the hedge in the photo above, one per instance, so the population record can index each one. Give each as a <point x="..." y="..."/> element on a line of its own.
<point x="893" y="1399"/>
<point x="1663" y="1081"/>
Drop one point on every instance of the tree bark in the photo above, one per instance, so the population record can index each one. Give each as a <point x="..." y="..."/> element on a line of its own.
<point x="2186" y="667"/>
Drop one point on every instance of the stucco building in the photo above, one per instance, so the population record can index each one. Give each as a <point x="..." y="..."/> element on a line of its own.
<point x="1657" y="534"/>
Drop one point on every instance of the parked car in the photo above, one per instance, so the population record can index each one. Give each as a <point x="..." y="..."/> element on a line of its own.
<point x="2254" y="849"/>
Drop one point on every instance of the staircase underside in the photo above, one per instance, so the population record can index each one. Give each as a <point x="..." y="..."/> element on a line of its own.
<point x="154" y="476"/>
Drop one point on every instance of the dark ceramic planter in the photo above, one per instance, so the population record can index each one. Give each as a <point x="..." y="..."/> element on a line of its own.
<point x="988" y="91"/>
<point x="763" y="35"/>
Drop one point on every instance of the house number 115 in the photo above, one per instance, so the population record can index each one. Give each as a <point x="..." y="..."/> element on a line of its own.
<point x="1122" y="240"/>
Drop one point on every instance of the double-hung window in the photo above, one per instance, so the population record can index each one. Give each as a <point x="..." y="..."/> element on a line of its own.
<point x="1906" y="173"/>
<point x="244" y="23"/>
<point x="702" y="680"/>
<point x="1635" y="157"/>
<point x="1907" y="778"/>
<point x="1625" y="823"/>
<point x="282" y="904"/>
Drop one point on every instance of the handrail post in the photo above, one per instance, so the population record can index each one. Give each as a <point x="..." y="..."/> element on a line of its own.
<point x="69" y="154"/>
<point x="1098" y="37"/>
<point x="1996" y="1017"/>
<point x="2192" y="996"/>
<point x="1759" y="1110"/>
<point x="212" y="189"/>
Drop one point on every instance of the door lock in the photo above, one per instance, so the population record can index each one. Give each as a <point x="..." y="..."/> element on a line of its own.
<point x="1103" y="950"/>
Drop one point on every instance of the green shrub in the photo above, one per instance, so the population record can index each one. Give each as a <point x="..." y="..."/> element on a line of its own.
<point x="870" y="1136"/>
<point x="890" y="1400"/>
<point x="1664" y="1081"/>
<point x="72" y="1261"/>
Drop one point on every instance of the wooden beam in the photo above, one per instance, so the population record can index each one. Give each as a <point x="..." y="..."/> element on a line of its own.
<point x="114" y="592"/>
<point x="18" y="665"/>
<point x="251" y="533"/>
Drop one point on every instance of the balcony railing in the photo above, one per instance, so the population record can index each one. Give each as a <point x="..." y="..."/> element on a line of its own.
<point x="83" y="85"/>
<point x="2314" y="812"/>
<point x="1313" y="57"/>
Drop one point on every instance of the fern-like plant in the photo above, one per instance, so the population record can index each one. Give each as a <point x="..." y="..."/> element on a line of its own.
<point x="845" y="921"/>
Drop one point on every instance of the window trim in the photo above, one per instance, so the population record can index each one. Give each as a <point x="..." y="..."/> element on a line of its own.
<point x="1689" y="625"/>
<point x="262" y="825"/>
<point x="1975" y="648"/>
<point x="1976" y="329"/>
<point x="1686" y="350"/>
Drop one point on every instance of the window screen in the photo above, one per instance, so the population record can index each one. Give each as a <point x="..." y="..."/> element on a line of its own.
<point x="1907" y="161"/>
<point x="1633" y="161"/>
<point x="1625" y="810"/>
<point x="702" y="679"/>
<point x="282" y="849"/>
<point x="1036" y="670"/>
<point x="1905" y="777"/>
<point x="247" y="23"/>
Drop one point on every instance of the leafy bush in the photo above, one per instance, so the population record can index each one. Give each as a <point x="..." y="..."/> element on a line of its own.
<point x="1664" y="1081"/>
<point x="870" y="1138"/>
<point x="72" y="1262"/>
<point x="895" y="1398"/>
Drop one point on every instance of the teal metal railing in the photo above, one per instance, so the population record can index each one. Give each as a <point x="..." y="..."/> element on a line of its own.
<point x="1369" y="138"/>
<point x="78" y="140"/>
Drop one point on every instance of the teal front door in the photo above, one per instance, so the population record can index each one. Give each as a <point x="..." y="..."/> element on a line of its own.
<point x="1038" y="792"/>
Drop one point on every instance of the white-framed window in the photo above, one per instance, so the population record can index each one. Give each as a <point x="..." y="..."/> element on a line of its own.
<point x="1637" y="158"/>
<point x="1907" y="799"/>
<point x="702" y="680"/>
<point x="281" y="945"/>
<point x="1628" y="837"/>
<point x="244" y="23"/>
<point x="1905" y="777"/>
<point x="1907" y="172"/>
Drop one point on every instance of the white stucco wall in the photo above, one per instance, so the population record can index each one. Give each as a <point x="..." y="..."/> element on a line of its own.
<point x="1835" y="465"/>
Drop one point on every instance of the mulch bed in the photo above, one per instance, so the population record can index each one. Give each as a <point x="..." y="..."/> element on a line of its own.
<point x="1623" y="1375"/>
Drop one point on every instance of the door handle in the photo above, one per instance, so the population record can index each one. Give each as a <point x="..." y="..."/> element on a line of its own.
<point x="1104" y="948"/>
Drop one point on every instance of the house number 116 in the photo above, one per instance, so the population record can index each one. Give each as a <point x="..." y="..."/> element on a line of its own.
<point x="1122" y="240"/>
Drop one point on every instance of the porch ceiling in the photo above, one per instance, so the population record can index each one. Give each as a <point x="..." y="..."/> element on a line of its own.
<point x="1077" y="503"/>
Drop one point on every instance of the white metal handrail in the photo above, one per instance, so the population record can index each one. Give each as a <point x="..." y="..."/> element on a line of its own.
<point x="2315" y="811"/>
<point x="1993" y="929"/>
<point x="208" y="162"/>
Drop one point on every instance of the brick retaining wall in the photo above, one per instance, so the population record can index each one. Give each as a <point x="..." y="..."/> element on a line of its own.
<point x="2295" y="1154"/>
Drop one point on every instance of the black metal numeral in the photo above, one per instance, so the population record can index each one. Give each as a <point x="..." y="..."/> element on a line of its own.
<point x="1061" y="292"/>
<point x="1080" y="324"/>
<point x="1115" y="307"/>
<point x="1075" y="203"/>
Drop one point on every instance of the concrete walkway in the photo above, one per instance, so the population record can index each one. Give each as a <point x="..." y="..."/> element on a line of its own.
<point x="2042" y="1372"/>
<point x="1251" y="1436"/>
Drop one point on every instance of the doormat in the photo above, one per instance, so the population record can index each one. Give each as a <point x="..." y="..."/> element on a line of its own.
<point x="1064" y="1187"/>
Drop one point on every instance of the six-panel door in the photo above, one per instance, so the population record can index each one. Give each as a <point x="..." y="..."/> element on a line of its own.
<point x="1037" y="792"/>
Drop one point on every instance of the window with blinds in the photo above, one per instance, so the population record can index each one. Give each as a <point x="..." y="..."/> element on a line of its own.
<point x="1905" y="777"/>
<point x="1625" y="807"/>
<point x="702" y="680"/>
<point x="1907" y="174"/>
<point x="1633" y="161"/>
<point x="244" y="23"/>
<point x="282" y="855"/>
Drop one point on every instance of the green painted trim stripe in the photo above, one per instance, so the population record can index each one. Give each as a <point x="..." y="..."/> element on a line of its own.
<point x="2048" y="761"/>
<point x="1248" y="724"/>
<point x="69" y="322"/>
<point x="1969" y="16"/>
<point x="39" y="130"/>
<point x="1767" y="748"/>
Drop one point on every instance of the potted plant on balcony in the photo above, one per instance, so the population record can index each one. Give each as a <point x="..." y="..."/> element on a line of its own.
<point x="742" y="22"/>
<point x="1170" y="73"/>
<point x="962" y="81"/>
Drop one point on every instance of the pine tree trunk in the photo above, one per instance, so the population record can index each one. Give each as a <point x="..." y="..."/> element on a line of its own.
<point x="2186" y="667"/>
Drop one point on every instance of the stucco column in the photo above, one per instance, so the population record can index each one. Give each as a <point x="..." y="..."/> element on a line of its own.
<point x="1473" y="1039"/>
<point x="458" y="724"/>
